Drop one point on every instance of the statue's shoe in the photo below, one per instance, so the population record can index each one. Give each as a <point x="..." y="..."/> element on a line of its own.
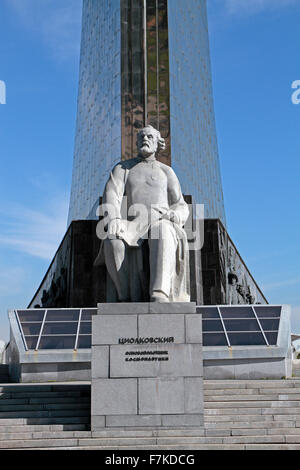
<point x="159" y="297"/>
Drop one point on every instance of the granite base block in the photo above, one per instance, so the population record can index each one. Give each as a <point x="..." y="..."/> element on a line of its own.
<point x="147" y="366"/>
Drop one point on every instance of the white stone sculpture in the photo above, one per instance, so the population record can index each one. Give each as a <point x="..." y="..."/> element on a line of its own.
<point x="146" y="251"/>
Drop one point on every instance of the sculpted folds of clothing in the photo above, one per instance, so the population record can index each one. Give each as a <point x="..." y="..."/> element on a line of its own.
<point x="158" y="264"/>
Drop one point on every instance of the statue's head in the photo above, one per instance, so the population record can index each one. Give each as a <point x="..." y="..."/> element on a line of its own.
<point x="149" y="141"/>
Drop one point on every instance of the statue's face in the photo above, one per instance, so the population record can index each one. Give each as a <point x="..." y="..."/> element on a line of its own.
<point x="147" y="142"/>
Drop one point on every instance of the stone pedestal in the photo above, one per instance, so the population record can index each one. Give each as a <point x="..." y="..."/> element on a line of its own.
<point x="147" y="366"/>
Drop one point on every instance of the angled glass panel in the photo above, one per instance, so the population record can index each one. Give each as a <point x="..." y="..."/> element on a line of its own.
<point x="241" y="325"/>
<point x="31" y="315"/>
<point x="62" y="315"/>
<point x="271" y="337"/>
<point x="85" y="328"/>
<point x="84" y="342"/>
<point x="57" y="342"/>
<point x="31" y="329"/>
<point x="268" y="312"/>
<point x="31" y="341"/>
<point x="212" y="325"/>
<point x="271" y="324"/>
<point x="60" y="328"/>
<point x="246" y="339"/>
<point x="214" y="339"/>
<point x="237" y="312"/>
<point x="208" y="312"/>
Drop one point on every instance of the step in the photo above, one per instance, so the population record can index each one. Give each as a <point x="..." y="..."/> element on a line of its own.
<point x="27" y="435"/>
<point x="44" y="407"/>
<point x="252" y="391"/>
<point x="34" y="428"/>
<point x="185" y="443"/>
<point x="36" y="388"/>
<point x="250" y="384"/>
<point x="262" y="397"/>
<point x="251" y="425"/>
<point x="49" y="420"/>
<point x="43" y="401"/>
<point x="45" y="414"/>
<point x="203" y="447"/>
<point x="72" y="394"/>
<point x="251" y="404"/>
<point x="253" y="411"/>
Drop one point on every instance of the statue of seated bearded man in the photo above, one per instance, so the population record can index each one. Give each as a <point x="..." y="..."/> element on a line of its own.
<point x="146" y="252"/>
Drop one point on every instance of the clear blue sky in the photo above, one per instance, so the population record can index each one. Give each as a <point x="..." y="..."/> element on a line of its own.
<point x="255" y="58"/>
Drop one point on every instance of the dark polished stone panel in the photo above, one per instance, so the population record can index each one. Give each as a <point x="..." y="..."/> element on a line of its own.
<point x="226" y="278"/>
<point x="83" y="284"/>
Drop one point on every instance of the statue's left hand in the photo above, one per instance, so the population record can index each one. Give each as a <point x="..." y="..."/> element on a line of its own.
<point x="115" y="228"/>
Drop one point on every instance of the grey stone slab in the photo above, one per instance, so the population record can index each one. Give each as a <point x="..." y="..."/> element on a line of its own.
<point x="114" y="397"/>
<point x="124" y="432"/>
<point x="133" y="421"/>
<point x="252" y="432"/>
<point x="108" y="329"/>
<point x="174" y="307"/>
<point x="285" y="430"/>
<point x="254" y="439"/>
<point x="161" y="396"/>
<point x="183" y="420"/>
<point x="236" y="419"/>
<point x="20" y="435"/>
<point x="217" y="432"/>
<point x="60" y="434"/>
<point x="282" y="411"/>
<point x="193" y="329"/>
<point x="184" y="360"/>
<point x="233" y="411"/>
<point x="38" y="443"/>
<point x="136" y="308"/>
<point x="97" y="422"/>
<point x="162" y="325"/>
<point x="122" y="442"/>
<point x="100" y="361"/>
<point x="179" y="432"/>
<point x="193" y="395"/>
<point x="293" y="439"/>
<point x="272" y="447"/>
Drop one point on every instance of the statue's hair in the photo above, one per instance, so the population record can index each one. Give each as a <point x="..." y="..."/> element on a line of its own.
<point x="161" y="140"/>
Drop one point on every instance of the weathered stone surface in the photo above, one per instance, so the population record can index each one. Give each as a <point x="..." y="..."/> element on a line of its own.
<point x="133" y="421"/>
<point x="107" y="329"/>
<point x="193" y="395"/>
<point x="163" y="375"/>
<point x="114" y="397"/>
<point x="136" y="308"/>
<point x="171" y="308"/>
<point x="97" y="422"/>
<point x="184" y="361"/>
<point x="182" y="420"/>
<point x="100" y="361"/>
<point x="162" y="325"/>
<point x="161" y="396"/>
<point x="193" y="328"/>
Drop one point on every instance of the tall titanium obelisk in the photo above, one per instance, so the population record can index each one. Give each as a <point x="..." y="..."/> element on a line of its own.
<point x="145" y="62"/>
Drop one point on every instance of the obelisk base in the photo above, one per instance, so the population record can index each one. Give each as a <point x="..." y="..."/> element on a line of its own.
<point x="147" y="366"/>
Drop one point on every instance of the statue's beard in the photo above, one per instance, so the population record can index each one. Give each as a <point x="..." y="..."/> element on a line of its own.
<point x="147" y="151"/>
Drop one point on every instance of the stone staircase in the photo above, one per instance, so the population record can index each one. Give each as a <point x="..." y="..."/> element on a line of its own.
<point x="239" y="415"/>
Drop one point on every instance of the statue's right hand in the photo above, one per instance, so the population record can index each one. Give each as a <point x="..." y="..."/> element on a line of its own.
<point x="115" y="228"/>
